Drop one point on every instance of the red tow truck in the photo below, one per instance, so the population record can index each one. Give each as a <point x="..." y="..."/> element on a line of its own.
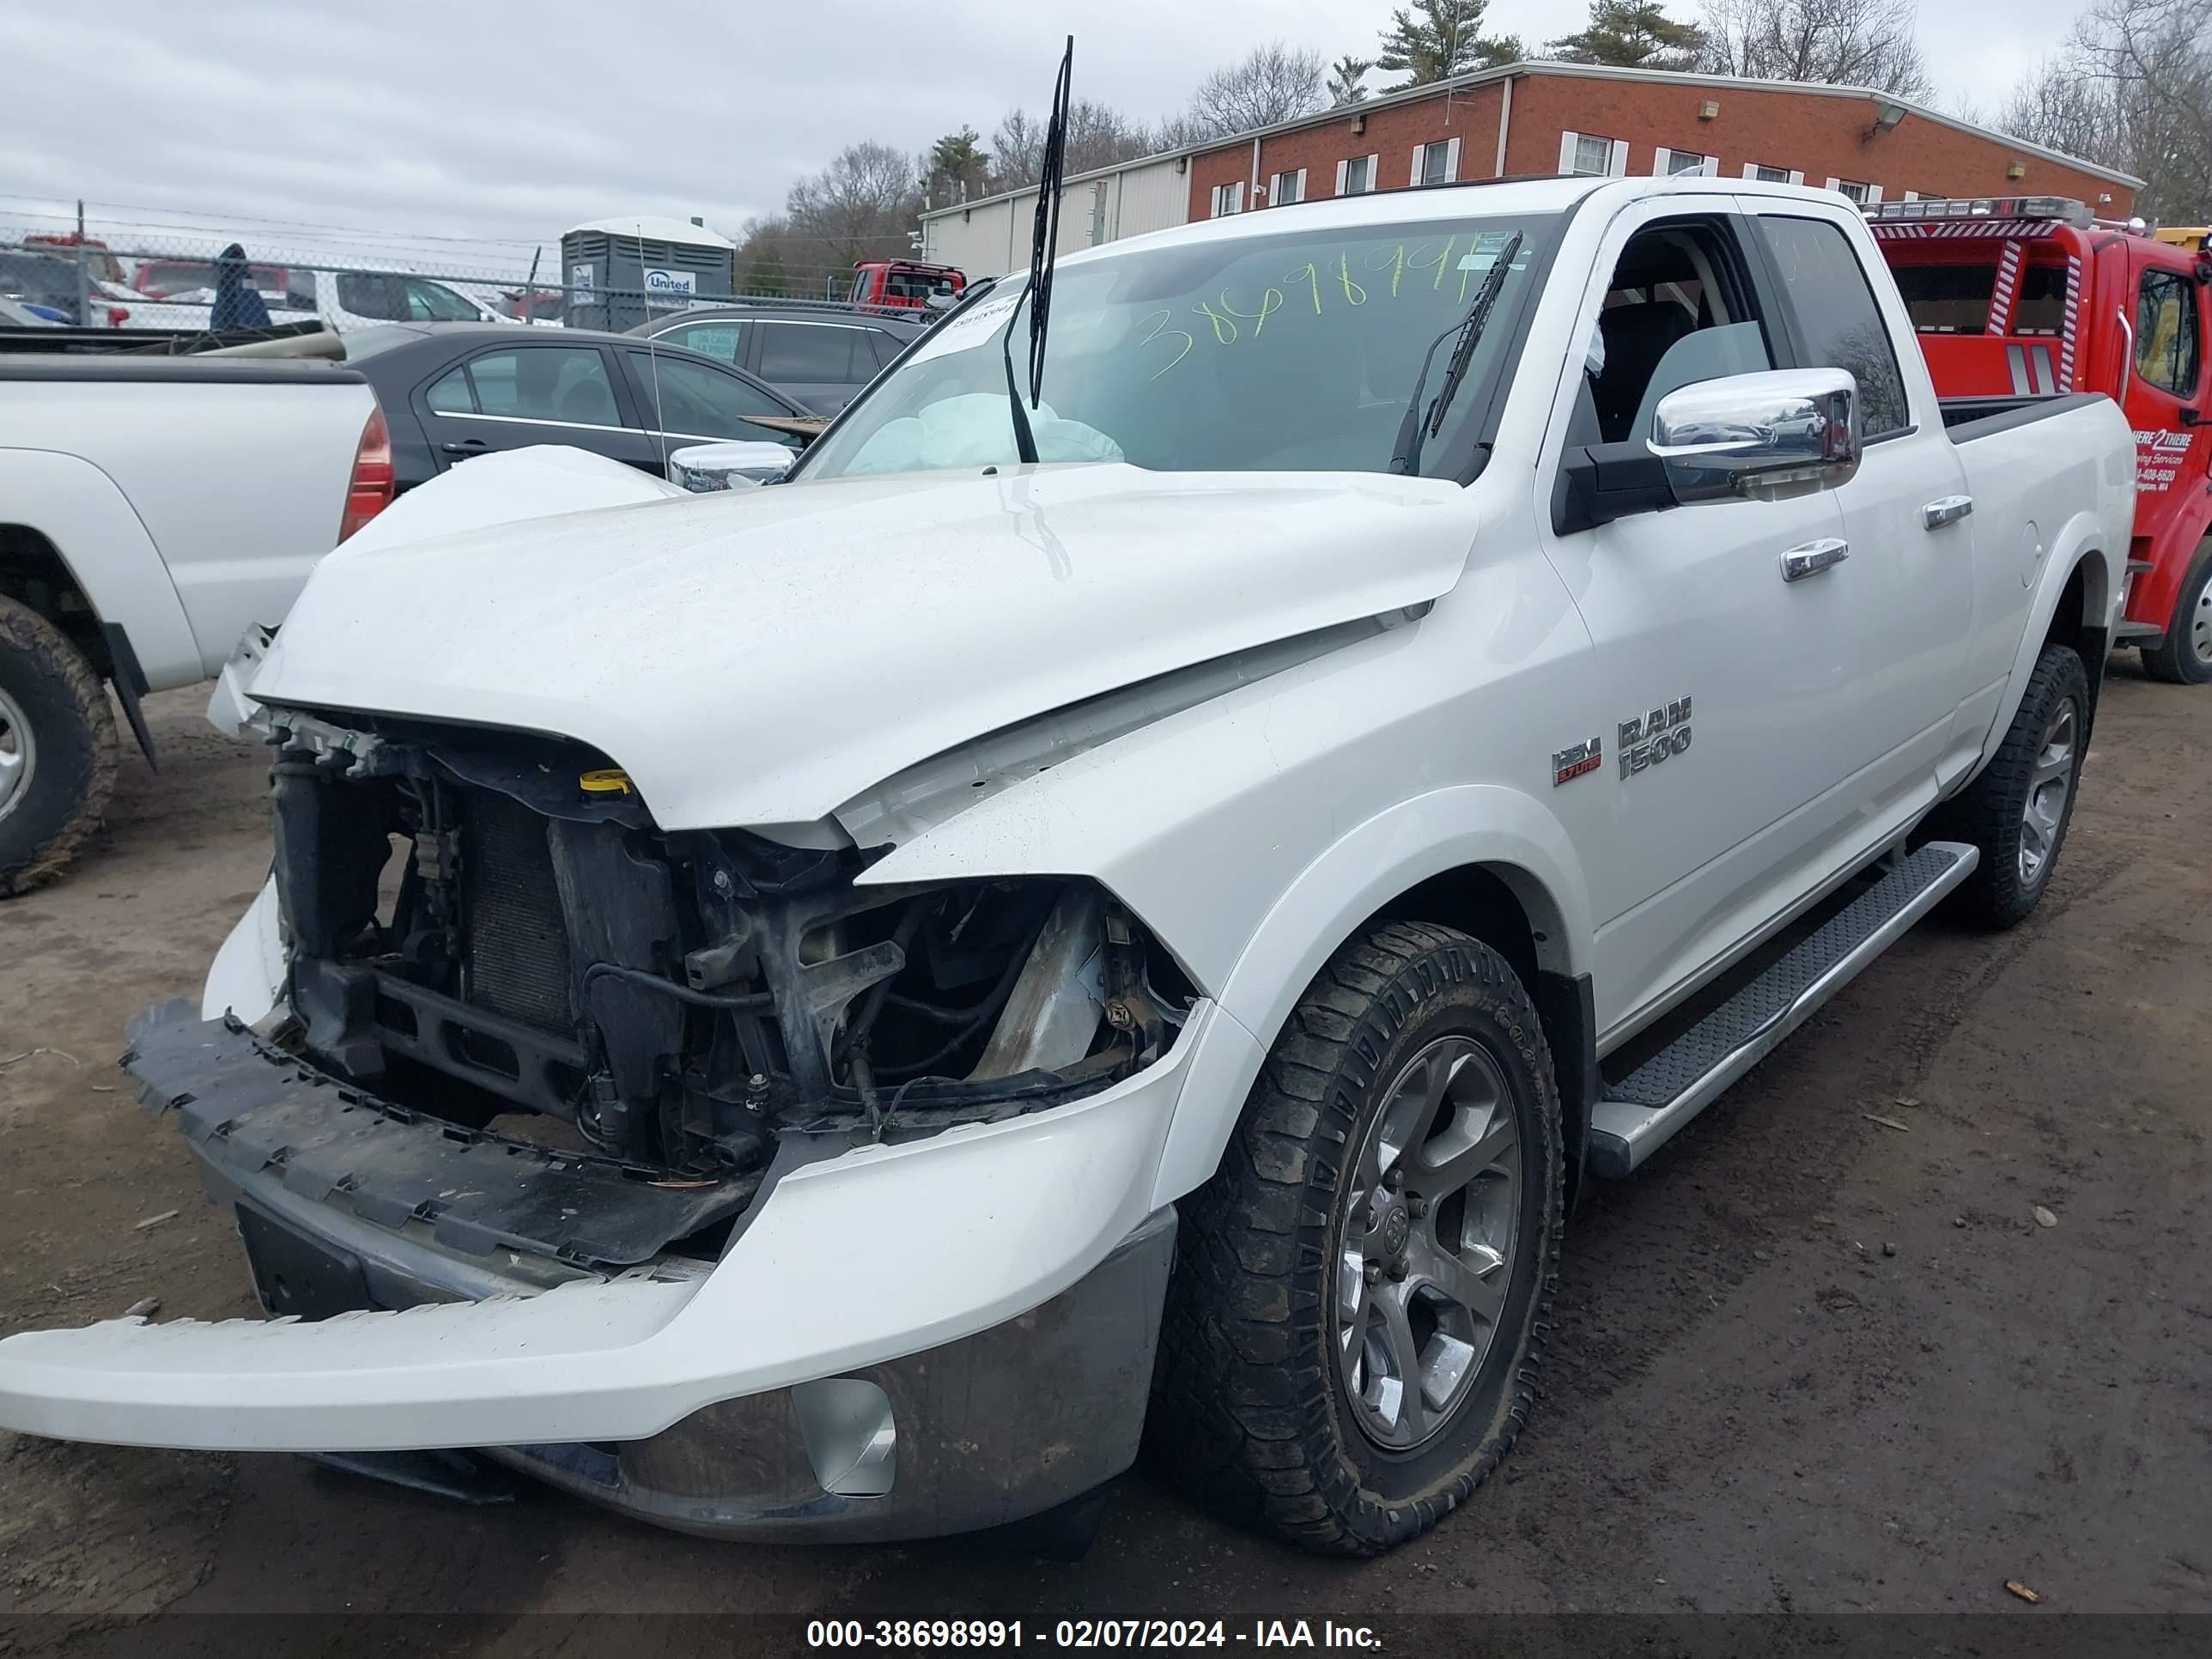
<point x="2020" y="298"/>
<point x="905" y="283"/>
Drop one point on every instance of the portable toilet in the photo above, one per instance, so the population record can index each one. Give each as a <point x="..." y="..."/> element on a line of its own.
<point x="621" y="271"/>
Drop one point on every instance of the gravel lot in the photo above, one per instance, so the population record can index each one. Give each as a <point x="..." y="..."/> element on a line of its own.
<point x="1809" y="1361"/>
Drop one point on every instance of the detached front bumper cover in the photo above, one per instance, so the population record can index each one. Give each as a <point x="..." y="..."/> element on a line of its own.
<point x="251" y="1109"/>
<point x="995" y="1289"/>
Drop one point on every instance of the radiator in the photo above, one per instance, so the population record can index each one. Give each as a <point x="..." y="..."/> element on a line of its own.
<point x="515" y="943"/>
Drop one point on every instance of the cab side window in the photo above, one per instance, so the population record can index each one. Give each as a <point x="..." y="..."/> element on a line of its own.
<point x="1676" y="312"/>
<point x="2168" y="331"/>
<point x="1837" y="313"/>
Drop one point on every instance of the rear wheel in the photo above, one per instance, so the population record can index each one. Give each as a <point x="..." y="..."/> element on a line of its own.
<point x="2184" y="657"/>
<point x="57" y="750"/>
<point x="1361" y="1291"/>
<point x="2017" y="811"/>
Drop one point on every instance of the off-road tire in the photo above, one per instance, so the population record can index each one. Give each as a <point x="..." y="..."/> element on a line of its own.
<point x="72" y="775"/>
<point x="1249" y="1413"/>
<point x="1989" y="813"/>
<point x="2174" y="657"/>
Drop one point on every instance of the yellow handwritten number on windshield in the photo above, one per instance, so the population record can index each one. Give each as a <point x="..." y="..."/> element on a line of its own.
<point x="1159" y="320"/>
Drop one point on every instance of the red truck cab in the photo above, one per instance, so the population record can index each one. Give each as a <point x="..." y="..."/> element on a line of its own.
<point x="905" y="283"/>
<point x="2018" y="298"/>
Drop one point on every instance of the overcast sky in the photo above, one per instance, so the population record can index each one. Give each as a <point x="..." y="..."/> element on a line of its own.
<point x="493" y="120"/>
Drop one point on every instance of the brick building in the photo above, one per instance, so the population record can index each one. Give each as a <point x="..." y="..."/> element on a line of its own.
<point x="1544" y="117"/>
<point x="1540" y="117"/>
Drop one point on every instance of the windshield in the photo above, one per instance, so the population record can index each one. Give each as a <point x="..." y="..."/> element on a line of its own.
<point x="1290" y="352"/>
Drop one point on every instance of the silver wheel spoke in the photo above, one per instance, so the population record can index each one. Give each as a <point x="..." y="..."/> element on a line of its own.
<point x="1474" y="1279"/>
<point x="1404" y="1359"/>
<point x="1456" y="1167"/>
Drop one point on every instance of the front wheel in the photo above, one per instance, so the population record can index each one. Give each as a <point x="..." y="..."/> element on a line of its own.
<point x="1362" y="1290"/>
<point x="2184" y="657"/>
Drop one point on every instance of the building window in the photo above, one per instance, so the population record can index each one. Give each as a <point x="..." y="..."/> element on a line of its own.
<point x="1669" y="163"/>
<point x="1588" y="155"/>
<point x="1287" y="187"/>
<point x="1861" y="193"/>
<point x="1435" y="164"/>
<point x="1767" y="176"/>
<point x="1228" y="199"/>
<point x="1355" y="177"/>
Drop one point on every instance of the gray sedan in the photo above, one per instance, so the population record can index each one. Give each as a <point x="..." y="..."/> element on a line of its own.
<point x="822" y="355"/>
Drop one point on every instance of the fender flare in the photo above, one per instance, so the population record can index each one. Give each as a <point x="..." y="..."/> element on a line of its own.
<point x="2076" y="539"/>
<point x="109" y="554"/>
<point x="1357" y="876"/>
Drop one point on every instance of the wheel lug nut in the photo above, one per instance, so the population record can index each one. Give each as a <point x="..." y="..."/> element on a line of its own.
<point x="1395" y="1180"/>
<point x="1417" y="1207"/>
<point x="1372" y="1271"/>
<point x="1399" y="1268"/>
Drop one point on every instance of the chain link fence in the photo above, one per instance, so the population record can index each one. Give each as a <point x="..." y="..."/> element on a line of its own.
<point x="94" y="268"/>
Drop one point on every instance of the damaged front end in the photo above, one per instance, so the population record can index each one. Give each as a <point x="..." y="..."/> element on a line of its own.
<point x="487" y="928"/>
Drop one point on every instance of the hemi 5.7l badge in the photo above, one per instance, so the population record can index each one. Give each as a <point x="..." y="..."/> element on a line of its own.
<point x="1569" y="763"/>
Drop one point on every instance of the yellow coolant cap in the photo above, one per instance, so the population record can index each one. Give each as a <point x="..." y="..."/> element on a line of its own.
<point x="609" y="780"/>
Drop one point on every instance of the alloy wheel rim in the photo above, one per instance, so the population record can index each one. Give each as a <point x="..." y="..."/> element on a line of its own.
<point x="18" y="753"/>
<point x="2048" y="789"/>
<point x="1425" y="1243"/>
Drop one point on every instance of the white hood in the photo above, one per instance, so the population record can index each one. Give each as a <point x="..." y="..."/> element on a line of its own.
<point x="760" y="657"/>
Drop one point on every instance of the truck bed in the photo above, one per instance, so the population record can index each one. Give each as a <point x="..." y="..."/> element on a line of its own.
<point x="1968" y="418"/>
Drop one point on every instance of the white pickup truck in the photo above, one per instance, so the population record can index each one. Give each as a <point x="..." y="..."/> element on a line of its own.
<point x="1135" y="916"/>
<point x="151" y="510"/>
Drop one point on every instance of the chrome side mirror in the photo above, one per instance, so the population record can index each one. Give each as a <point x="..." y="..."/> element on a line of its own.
<point x="729" y="465"/>
<point x="1761" y="436"/>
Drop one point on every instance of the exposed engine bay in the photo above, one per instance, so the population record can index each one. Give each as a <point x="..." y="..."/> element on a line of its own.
<point x="486" y="922"/>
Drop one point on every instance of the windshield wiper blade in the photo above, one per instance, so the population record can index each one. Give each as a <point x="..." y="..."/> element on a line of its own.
<point x="1415" y="429"/>
<point x="1044" y="247"/>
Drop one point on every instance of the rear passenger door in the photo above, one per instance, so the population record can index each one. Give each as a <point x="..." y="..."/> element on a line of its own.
<point x="822" y="364"/>
<point x="1908" y="515"/>
<point x="509" y="397"/>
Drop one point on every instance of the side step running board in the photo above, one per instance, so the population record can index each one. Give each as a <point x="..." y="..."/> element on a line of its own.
<point x="1640" y="1112"/>
<point x="2138" y="633"/>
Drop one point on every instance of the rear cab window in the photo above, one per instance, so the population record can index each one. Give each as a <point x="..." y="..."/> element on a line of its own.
<point x="1836" y="315"/>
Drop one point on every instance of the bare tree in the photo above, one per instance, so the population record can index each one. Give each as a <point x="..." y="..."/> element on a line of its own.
<point x="2155" y="56"/>
<point x="1852" y="43"/>
<point x="1345" y="76"/>
<point x="1098" y="136"/>
<point x="1273" y="82"/>
<point x="861" y="206"/>
<point x="2061" y="107"/>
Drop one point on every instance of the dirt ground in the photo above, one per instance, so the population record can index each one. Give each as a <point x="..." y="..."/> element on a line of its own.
<point x="1809" y="1361"/>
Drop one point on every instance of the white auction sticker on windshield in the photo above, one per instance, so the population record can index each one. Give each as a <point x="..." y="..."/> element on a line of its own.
<point x="969" y="328"/>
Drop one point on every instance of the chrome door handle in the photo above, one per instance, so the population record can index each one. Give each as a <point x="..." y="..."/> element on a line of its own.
<point x="1947" y="509"/>
<point x="1813" y="557"/>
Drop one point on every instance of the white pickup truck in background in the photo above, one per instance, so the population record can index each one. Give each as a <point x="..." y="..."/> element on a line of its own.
<point x="1198" y="869"/>
<point x="152" y="509"/>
